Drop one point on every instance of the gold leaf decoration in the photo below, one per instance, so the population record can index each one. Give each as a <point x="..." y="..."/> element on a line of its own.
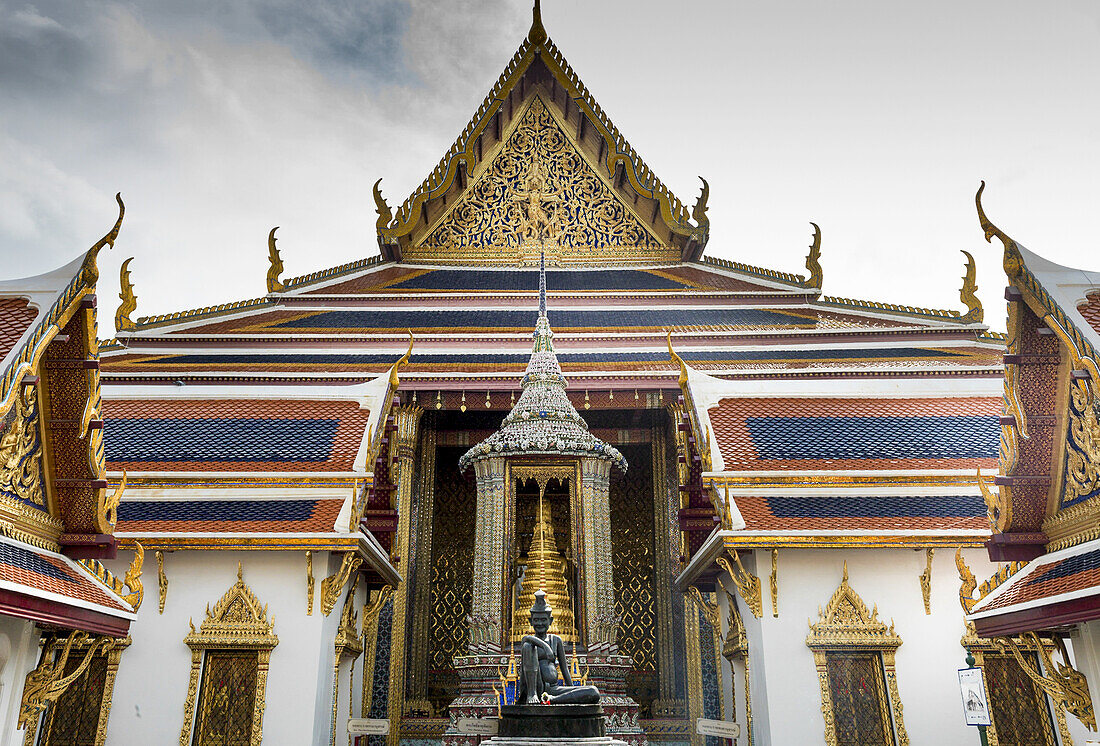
<point x="969" y="293"/>
<point x="539" y="191"/>
<point x="123" y="322"/>
<point x="21" y="451"/>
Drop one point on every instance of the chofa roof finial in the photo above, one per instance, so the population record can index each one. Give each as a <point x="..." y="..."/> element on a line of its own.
<point x="275" y="264"/>
<point x="537" y="34"/>
<point x="969" y="293"/>
<point x="123" y="322"/>
<point x="1013" y="262"/>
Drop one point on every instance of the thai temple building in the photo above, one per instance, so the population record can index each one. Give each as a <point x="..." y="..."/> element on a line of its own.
<point x="1043" y="506"/>
<point x="745" y="500"/>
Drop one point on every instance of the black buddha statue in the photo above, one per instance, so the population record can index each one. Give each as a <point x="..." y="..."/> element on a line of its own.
<point x="543" y="658"/>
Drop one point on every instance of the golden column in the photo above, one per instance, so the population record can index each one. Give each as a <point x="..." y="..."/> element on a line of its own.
<point x="408" y="428"/>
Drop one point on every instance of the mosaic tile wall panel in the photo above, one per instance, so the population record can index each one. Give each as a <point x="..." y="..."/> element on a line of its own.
<point x="380" y="684"/>
<point x="633" y="559"/>
<point x="451" y="574"/>
<point x="712" y="696"/>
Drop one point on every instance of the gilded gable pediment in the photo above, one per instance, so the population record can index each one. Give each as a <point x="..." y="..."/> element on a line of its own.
<point x="539" y="192"/>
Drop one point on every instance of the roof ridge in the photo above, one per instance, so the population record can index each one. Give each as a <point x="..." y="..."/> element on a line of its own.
<point x="193" y="313"/>
<point x="325" y="274"/>
<point x="798" y="281"/>
<point x="867" y="305"/>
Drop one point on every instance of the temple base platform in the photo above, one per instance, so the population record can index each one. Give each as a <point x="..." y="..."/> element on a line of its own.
<point x="480" y="685"/>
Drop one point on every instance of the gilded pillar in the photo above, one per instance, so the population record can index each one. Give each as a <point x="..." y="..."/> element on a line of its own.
<point x="421" y="560"/>
<point x="598" y="588"/>
<point x="408" y="426"/>
<point x="492" y="540"/>
<point x="694" y="671"/>
<point x="666" y="495"/>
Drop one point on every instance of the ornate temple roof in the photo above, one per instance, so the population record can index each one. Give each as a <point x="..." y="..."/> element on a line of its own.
<point x="577" y="148"/>
<point x="1043" y="501"/>
<point x="543" y="422"/>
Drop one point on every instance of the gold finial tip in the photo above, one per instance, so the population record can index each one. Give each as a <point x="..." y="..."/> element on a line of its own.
<point x="537" y="34"/>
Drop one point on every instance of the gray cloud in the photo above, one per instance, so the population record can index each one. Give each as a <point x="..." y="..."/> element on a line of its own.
<point x="220" y="120"/>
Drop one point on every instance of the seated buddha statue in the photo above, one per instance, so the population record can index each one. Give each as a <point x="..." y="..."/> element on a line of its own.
<point x="545" y="676"/>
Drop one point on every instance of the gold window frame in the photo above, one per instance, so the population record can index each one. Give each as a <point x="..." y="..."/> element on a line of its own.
<point x="83" y="648"/>
<point x="238" y="622"/>
<point x="847" y="626"/>
<point x="979" y="647"/>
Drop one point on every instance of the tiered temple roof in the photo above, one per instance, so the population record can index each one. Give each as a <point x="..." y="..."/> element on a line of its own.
<point x="56" y="514"/>
<point x="801" y="382"/>
<point x="1044" y="501"/>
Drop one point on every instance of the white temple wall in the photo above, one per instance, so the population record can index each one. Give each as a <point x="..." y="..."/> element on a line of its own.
<point x="18" y="657"/>
<point x="153" y="675"/>
<point x="786" y="701"/>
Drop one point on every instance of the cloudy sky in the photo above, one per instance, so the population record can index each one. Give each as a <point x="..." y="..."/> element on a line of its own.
<point x="874" y="119"/>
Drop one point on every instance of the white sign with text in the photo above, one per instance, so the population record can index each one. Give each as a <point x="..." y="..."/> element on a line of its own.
<point x="368" y="727"/>
<point x="478" y="726"/>
<point x="719" y="728"/>
<point x="972" y="688"/>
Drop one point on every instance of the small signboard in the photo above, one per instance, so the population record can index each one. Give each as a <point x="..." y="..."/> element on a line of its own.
<point x="478" y="726"/>
<point x="719" y="728"/>
<point x="368" y="727"/>
<point x="972" y="688"/>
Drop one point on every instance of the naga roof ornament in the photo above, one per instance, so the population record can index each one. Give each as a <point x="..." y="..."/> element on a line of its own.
<point x="543" y="421"/>
<point x="813" y="261"/>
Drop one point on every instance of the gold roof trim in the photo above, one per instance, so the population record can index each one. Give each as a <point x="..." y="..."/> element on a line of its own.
<point x="195" y="313"/>
<point x="866" y="305"/>
<point x="797" y="281"/>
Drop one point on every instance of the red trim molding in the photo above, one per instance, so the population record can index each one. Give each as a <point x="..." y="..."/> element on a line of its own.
<point x="55" y="614"/>
<point x="1040" y="618"/>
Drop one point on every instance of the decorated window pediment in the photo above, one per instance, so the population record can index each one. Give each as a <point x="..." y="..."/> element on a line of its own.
<point x="230" y="653"/>
<point x="854" y="655"/>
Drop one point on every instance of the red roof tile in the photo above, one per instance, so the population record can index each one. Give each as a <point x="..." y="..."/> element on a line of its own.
<point x="1076" y="570"/>
<point x="228" y="516"/>
<point x="16" y="316"/>
<point x="869" y="513"/>
<point x="841" y="434"/>
<point x="1091" y="310"/>
<point x="238" y="432"/>
<point x="36" y="571"/>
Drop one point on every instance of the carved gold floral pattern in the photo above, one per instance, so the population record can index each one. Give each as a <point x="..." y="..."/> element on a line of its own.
<point x="1082" y="447"/>
<point x="539" y="169"/>
<point x="21" y="452"/>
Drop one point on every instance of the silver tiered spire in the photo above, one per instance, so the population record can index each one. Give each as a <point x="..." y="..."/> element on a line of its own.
<point x="543" y="422"/>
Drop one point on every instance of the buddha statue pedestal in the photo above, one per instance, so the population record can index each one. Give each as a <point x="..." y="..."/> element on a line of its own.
<point x="479" y="674"/>
<point x="548" y="703"/>
<point x="526" y="725"/>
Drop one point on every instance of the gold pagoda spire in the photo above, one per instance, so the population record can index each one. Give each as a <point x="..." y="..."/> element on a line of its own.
<point x="546" y="572"/>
